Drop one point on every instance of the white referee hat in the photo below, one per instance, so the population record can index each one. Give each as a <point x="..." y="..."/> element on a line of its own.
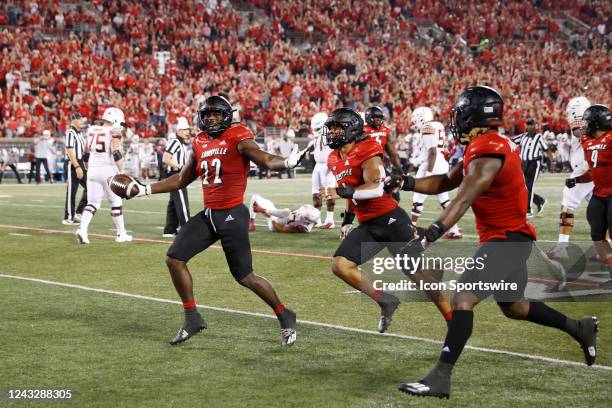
<point x="182" y="123"/>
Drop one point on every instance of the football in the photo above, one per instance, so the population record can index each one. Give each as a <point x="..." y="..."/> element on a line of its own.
<point x="123" y="185"/>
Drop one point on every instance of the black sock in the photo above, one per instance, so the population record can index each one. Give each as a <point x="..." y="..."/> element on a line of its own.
<point x="190" y="312"/>
<point x="459" y="331"/>
<point x="541" y="314"/>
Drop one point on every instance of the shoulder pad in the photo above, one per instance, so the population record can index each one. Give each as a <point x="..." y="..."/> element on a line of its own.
<point x="368" y="148"/>
<point x="237" y="133"/>
<point x="491" y="143"/>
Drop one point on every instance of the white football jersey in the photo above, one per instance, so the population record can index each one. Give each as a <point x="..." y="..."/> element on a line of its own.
<point x="293" y="220"/>
<point x="321" y="149"/>
<point x="577" y="160"/>
<point x="145" y="152"/>
<point x="432" y="135"/>
<point x="99" y="145"/>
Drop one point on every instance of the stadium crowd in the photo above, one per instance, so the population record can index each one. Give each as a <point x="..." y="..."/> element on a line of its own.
<point x="84" y="56"/>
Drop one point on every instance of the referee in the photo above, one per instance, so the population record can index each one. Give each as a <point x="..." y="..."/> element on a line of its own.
<point x="532" y="146"/>
<point x="74" y="169"/>
<point x="174" y="158"/>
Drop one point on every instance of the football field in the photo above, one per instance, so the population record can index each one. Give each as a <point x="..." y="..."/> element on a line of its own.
<point x="96" y="319"/>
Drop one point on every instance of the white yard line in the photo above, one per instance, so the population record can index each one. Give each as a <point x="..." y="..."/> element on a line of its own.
<point x="307" y="322"/>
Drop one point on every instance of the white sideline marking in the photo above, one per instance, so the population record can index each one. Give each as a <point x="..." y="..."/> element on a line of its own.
<point x="306" y="322"/>
<point x="161" y="241"/>
<point x="16" y="234"/>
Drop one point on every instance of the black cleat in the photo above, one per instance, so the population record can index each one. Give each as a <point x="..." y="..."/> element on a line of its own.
<point x="287" y="320"/>
<point x="388" y="305"/>
<point x="587" y="337"/>
<point x="541" y="207"/>
<point x="192" y="325"/>
<point x="422" y="390"/>
<point x="436" y="384"/>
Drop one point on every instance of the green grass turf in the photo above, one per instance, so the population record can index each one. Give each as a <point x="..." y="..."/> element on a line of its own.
<point x="113" y="351"/>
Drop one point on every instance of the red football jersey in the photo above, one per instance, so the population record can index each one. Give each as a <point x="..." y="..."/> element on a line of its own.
<point x="503" y="206"/>
<point x="598" y="153"/>
<point x="221" y="167"/>
<point x="348" y="172"/>
<point x="380" y="135"/>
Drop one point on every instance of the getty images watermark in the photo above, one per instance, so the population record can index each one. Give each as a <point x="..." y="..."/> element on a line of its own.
<point x="500" y="271"/>
<point x="412" y="264"/>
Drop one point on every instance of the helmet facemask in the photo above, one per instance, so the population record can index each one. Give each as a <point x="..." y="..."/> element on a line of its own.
<point x="214" y="121"/>
<point x="336" y="134"/>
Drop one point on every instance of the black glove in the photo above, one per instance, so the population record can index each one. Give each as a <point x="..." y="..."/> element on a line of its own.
<point x="571" y="182"/>
<point x="408" y="183"/>
<point x="393" y="183"/>
<point x="346" y="191"/>
<point x="435" y="231"/>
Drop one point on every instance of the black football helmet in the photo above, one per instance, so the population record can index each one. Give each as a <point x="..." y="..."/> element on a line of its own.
<point x="477" y="106"/>
<point x="372" y="113"/>
<point x="351" y="124"/>
<point x="214" y="127"/>
<point x="597" y="117"/>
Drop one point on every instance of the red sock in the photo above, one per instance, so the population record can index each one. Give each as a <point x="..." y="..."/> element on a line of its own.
<point x="190" y="304"/>
<point x="448" y="316"/>
<point x="377" y="294"/>
<point x="279" y="309"/>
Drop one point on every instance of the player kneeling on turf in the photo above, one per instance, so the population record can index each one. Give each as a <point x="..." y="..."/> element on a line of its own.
<point x="302" y="219"/>
<point x="221" y="155"/>
<point x="358" y="167"/>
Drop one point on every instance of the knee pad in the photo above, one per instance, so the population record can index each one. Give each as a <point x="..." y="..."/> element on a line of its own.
<point x="91" y="208"/>
<point x="567" y="219"/>
<point x="116" y="211"/>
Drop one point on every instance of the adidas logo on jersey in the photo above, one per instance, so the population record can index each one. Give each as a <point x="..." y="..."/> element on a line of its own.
<point x="222" y="143"/>
<point x="391" y="221"/>
<point x="346" y="163"/>
<point x="229" y="218"/>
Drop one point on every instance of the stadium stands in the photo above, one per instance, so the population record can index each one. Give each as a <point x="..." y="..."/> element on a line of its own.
<point x="78" y="55"/>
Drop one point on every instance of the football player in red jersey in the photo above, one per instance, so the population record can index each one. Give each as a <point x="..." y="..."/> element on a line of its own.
<point x="376" y="130"/>
<point x="490" y="180"/>
<point x="357" y="164"/>
<point x="220" y="157"/>
<point x="597" y="146"/>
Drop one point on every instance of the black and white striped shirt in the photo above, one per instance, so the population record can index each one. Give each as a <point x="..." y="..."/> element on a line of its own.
<point x="178" y="151"/>
<point x="532" y="147"/>
<point x="74" y="140"/>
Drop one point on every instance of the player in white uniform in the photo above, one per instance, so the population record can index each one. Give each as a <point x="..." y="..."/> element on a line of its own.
<point x="321" y="176"/>
<point x="133" y="157"/>
<point x="145" y="158"/>
<point x="104" y="158"/>
<point x="431" y="161"/>
<point x="564" y="147"/>
<point x="573" y="193"/>
<point x="302" y="219"/>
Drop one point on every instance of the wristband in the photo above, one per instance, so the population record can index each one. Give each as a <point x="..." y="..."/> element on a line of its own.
<point x="345" y="192"/>
<point x="408" y="183"/>
<point x="435" y="231"/>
